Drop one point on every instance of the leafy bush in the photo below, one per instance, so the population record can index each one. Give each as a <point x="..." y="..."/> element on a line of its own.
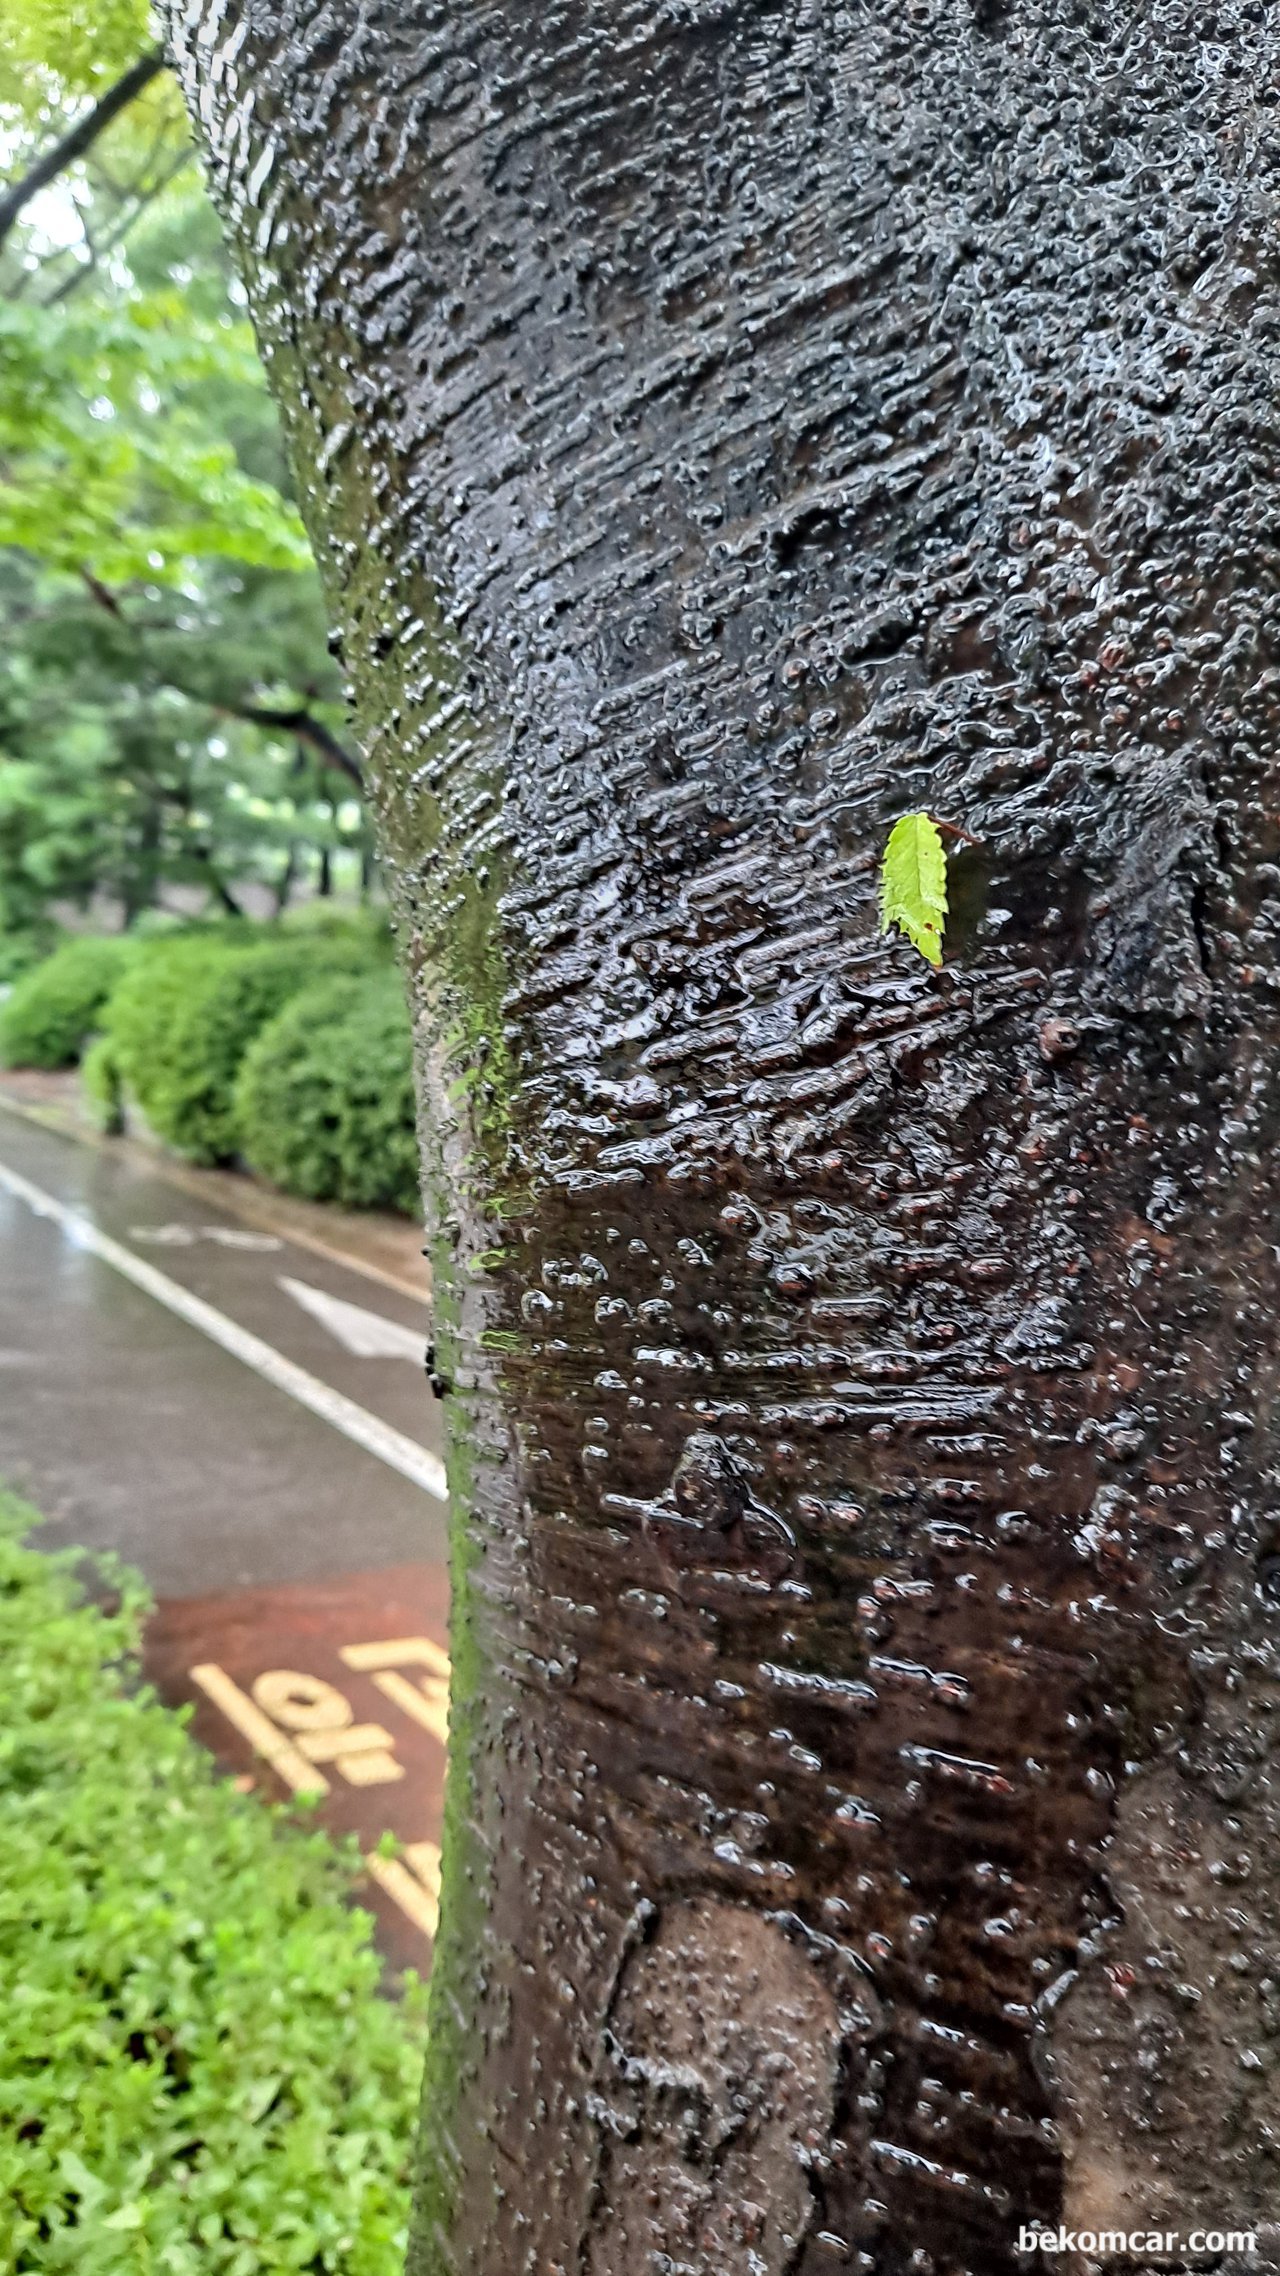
<point x="325" y="1097"/>
<point x="184" y="1016"/>
<point x="368" y="927"/>
<point x="23" y="947"/>
<point x="199" y="2075"/>
<point x="103" y="1086"/>
<point x="148" y="1002"/>
<point x="55" y="1007"/>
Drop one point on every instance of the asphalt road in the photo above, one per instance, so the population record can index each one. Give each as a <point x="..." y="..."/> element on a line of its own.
<point x="248" y="1423"/>
<point x="134" y="1430"/>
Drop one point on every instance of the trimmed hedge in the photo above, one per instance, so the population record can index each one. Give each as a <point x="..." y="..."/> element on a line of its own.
<point x="198" y="2073"/>
<point x="187" y="1011"/>
<point x="103" y="1086"/>
<point x="23" y="948"/>
<point x="289" y="1045"/>
<point x="325" y="1102"/>
<point x="143" y="1010"/>
<point x="55" y="1007"/>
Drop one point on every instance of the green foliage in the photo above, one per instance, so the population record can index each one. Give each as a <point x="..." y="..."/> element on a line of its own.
<point x="142" y="1011"/>
<point x="913" y="884"/>
<point x="367" y="928"/>
<point x="55" y="1007"/>
<point x="185" y="1015"/>
<point x="157" y="596"/>
<point x="121" y="774"/>
<point x="199" y="2076"/>
<point x="22" y="948"/>
<point x="325" y="1101"/>
<point x="68" y="51"/>
<point x="111" y="465"/>
<point x="103" y="1086"/>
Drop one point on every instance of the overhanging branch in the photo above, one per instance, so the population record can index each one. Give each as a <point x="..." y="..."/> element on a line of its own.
<point x="78" y="138"/>
<point x="308" y="729"/>
<point x="286" y="719"/>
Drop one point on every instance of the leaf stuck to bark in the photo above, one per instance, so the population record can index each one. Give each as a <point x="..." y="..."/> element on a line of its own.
<point x="913" y="884"/>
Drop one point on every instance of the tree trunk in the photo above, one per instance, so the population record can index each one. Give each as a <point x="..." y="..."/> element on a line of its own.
<point x="288" y="877"/>
<point x="727" y="425"/>
<point x="141" y="870"/>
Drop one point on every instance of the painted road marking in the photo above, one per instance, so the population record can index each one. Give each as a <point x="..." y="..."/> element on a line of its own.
<point x="196" y="1182"/>
<point x="427" y="1701"/>
<point x="312" y="1639"/>
<point x="179" y="1236"/>
<point x="413" y="1885"/>
<point x="322" y="1721"/>
<point x="370" y="1335"/>
<point x="325" y="1726"/>
<point x="259" y="1730"/>
<point x="356" y="1423"/>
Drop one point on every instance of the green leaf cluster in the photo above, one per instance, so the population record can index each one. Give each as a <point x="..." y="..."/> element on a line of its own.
<point x="55" y="1007"/>
<point x="325" y="1099"/>
<point x="112" y="463"/>
<point x="24" y="947"/>
<point x="913" y="884"/>
<point x="60" y="53"/>
<point x="103" y="1086"/>
<point x="198" y="2076"/>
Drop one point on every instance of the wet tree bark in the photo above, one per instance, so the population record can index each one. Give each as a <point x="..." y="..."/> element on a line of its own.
<point x="727" y="425"/>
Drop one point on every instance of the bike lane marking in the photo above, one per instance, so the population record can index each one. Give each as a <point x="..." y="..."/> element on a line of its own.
<point x="343" y="1414"/>
<point x="336" y="1690"/>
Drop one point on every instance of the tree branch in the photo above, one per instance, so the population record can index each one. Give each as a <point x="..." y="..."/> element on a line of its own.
<point x="78" y="138"/>
<point x="102" y="594"/>
<point x="308" y="729"/>
<point x="292" y="719"/>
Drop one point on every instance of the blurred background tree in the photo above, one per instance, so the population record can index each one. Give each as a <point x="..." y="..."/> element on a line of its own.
<point x="171" y="730"/>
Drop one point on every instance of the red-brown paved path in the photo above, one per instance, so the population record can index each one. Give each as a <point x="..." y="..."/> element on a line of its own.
<point x="350" y="1677"/>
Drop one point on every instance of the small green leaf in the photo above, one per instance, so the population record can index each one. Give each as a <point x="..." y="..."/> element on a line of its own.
<point x="913" y="884"/>
<point x="129" y="2216"/>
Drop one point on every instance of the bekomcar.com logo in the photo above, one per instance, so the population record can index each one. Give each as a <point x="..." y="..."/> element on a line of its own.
<point x="1135" y="2243"/>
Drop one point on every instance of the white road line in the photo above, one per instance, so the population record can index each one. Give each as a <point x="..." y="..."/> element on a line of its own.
<point x="370" y="1335"/>
<point x="356" y="1423"/>
<point x="197" y="1183"/>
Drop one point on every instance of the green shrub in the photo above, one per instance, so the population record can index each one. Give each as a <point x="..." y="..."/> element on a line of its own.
<point x="103" y="1086"/>
<point x="26" y="946"/>
<point x="145" y="1007"/>
<point x="369" y="928"/>
<point x="55" y="1007"/>
<point x="199" y="2076"/>
<point x="184" y="1016"/>
<point x="325" y="1097"/>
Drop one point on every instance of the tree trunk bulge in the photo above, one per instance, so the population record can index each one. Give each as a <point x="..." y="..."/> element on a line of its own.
<point x="727" y="425"/>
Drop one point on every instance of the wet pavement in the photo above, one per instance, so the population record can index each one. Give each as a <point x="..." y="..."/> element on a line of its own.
<point x="245" y="1420"/>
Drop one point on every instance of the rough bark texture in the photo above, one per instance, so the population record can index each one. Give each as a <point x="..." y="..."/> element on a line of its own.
<point x="727" y="426"/>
